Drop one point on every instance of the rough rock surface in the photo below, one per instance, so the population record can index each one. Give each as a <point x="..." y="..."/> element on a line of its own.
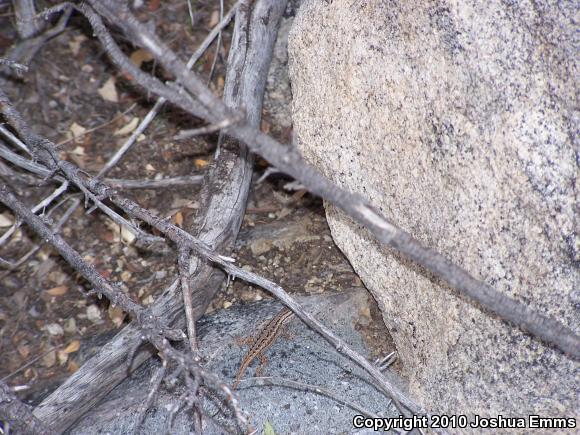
<point x="459" y="120"/>
<point x="306" y="359"/>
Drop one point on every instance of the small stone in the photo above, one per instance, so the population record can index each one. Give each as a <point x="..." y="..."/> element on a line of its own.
<point x="260" y="246"/>
<point x="160" y="274"/>
<point x="70" y="326"/>
<point x="148" y="300"/>
<point x="126" y="275"/>
<point x="54" y="329"/>
<point x="94" y="314"/>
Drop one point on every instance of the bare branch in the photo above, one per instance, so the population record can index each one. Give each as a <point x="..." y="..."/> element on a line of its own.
<point x="101" y="285"/>
<point x="55" y="228"/>
<point x="41" y="205"/>
<point x="120" y="183"/>
<point x="185" y="134"/>
<point x="224" y="195"/>
<point x="183" y="263"/>
<point x="161" y="101"/>
<point x="186" y="180"/>
<point x="155" y="384"/>
<point x="287" y="159"/>
<point x="185" y="240"/>
<point x="27" y="23"/>
<point x="17" y="416"/>
<point x="24" y="51"/>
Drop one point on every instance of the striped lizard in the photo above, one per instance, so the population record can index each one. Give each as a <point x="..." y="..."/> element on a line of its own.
<point x="264" y="340"/>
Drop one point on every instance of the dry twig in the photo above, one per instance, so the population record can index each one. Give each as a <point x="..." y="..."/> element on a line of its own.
<point x="199" y="101"/>
<point x="185" y="241"/>
<point x="224" y="196"/>
<point x="204" y="104"/>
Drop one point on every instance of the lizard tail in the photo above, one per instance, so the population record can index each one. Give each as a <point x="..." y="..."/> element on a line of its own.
<point x="238" y="378"/>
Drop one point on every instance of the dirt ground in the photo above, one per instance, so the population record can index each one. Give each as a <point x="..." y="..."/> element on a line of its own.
<point x="47" y="324"/>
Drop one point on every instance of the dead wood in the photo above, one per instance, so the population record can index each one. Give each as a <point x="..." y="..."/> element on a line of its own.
<point x="95" y="189"/>
<point x="199" y="102"/>
<point x="24" y="51"/>
<point x="27" y="23"/>
<point x="151" y="328"/>
<point x="204" y="104"/>
<point x="224" y="198"/>
<point x="17" y="416"/>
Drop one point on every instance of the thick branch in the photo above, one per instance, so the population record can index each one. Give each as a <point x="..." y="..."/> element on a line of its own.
<point x="27" y="23"/>
<point x="224" y="198"/>
<point x="288" y="160"/>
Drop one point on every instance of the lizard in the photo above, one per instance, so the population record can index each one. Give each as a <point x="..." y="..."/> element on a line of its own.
<point x="264" y="340"/>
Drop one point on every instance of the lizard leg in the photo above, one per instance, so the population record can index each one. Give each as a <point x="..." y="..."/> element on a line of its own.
<point x="263" y="362"/>
<point x="241" y="341"/>
<point x="287" y="335"/>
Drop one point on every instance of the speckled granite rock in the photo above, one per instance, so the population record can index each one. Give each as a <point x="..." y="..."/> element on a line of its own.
<point x="459" y="120"/>
<point x="306" y="359"/>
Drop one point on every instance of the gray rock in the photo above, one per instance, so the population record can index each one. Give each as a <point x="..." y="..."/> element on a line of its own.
<point x="305" y="358"/>
<point x="459" y="120"/>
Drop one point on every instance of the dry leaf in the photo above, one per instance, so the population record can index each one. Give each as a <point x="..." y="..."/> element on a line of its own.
<point x="127" y="129"/>
<point x="117" y="315"/>
<point x="115" y="235"/>
<point x="109" y="92"/>
<point x="365" y="312"/>
<point x="72" y="347"/>
<point x="6" y="220"/>
<point x="78" y="151"/>
<point x="72" y="367"/>
<point x="59" y="278"/>
<point x="57" y="291"/>
<point x="62" y="357"/>
<point x="201" y="163"/>
<point x="127" y="235"/>
<point x="77" y="130"/>
<point x="178" y="219"/>
<point x="150" y="167"/>
<point x="140" y="56"/>
<point x="49" y="359"/>
<point x="23" y="350"/>
<point x="75" y="44"/>
<point x="54" y="329"/>
<point x="70" y="326"/>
